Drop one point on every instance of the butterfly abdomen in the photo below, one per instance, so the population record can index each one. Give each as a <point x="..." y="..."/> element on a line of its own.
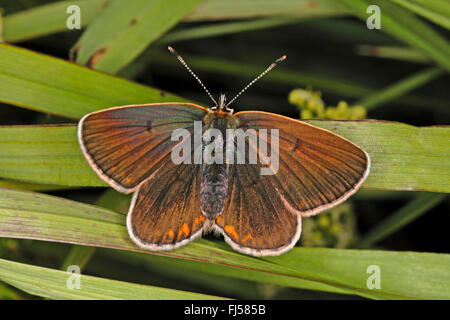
<point x="213" y="189"/>
<point x="215" y="175"/>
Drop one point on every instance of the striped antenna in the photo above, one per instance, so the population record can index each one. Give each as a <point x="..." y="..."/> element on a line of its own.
<point x="191" y="72"/>
<point x="273" y="65"/>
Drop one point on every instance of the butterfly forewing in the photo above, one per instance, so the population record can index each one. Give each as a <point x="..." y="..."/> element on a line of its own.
<point x="317" y="168"/>
<point x="124" y="144"/>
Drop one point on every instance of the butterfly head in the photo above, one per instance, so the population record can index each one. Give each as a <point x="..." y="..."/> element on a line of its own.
<point x="222" y="106"/>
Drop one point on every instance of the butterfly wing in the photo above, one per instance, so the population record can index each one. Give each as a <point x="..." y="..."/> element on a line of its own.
<point x="317" y="170"/>
<point x="254" y="220"/>
<point x="130" y="148"/>
<point x="165" y="210"/>
<point x="124" y="145"/>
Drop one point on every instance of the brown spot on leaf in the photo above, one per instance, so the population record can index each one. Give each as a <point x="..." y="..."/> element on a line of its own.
<point x="97" y="56"/>
<point x="162" y="93"/>
<point x="133" y="22"/>
<point x="73" y="53"/>
<point x="374" y="51"/>
<point x="312" y="4"/>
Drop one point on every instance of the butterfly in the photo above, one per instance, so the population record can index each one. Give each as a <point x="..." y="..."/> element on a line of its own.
<point x="132" y="149"/>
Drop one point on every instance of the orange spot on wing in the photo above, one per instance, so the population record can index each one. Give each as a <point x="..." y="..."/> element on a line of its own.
<point x="169" y="235"/>
<point x="197" y="221"/>
<point x="231" y="231"/>
<point x="219" y="220"/>
<point x="247" y="237"/>
<point x="184" y="230"/>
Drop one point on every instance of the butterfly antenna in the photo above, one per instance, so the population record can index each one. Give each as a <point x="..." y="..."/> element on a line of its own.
<point x="191" y="72"/>
<point x="273" y="65"/>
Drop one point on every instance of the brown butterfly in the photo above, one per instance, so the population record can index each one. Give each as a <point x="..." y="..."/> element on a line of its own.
<point x="132" y="149"/>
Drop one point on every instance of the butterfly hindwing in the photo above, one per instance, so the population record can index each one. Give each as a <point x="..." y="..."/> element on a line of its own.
<point x="254" y="221"/>
<point x="164" y="213"/>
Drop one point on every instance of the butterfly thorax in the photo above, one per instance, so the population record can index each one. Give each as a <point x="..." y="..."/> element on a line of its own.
<point x="214" y="184"/>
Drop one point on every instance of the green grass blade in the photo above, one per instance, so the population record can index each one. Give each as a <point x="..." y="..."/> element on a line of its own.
<point x="217" y="29"/>
<point x="403" y="157"/>
<point x="399" y="53"/>
<point x="51" y="154"/>
<point x="51" y="85"/>
<point x="239" y="288"/>
<point x="347" y="31"/>
<point x="439" y="14"/>
<point x="20" y="185"/>
<point x="79" y="256"/>
<point x="8" y="293"/>
<point x="34" y="216"/>
<point x="48" y="19"/>
<point x="403" y="25"/>
<point x="241" y="9"/>
<point x="434" y="5"/>
<point x="51" y="18"/>
<point x="411" y="211"/>
<point x="400" y="88"/>
<point x="109" y="47"/>
<point x="50" y="283"/>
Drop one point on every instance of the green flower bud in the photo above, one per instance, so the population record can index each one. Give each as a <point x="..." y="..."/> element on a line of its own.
<point x="298" y="96"/>
<point x="306" y="114"/>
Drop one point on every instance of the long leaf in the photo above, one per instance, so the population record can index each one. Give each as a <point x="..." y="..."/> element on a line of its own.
<point x="55" y="86"/>
<point x="400" y="88"/>
<point x="51" y="18"/>
<point x="412" y="210"/>
<point x="393" y="52"/>
<point x="51" y="283"/>
<point x="34" y="216"/>
<point x="47" y="19"/>
<point x="109" y="47"/>
<point x="437" y="11"/>
<point x="403" y="157"/>
<point x="402" y="24"/>
<point x="240" y="9"/>
<point x="217" y="29"/>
